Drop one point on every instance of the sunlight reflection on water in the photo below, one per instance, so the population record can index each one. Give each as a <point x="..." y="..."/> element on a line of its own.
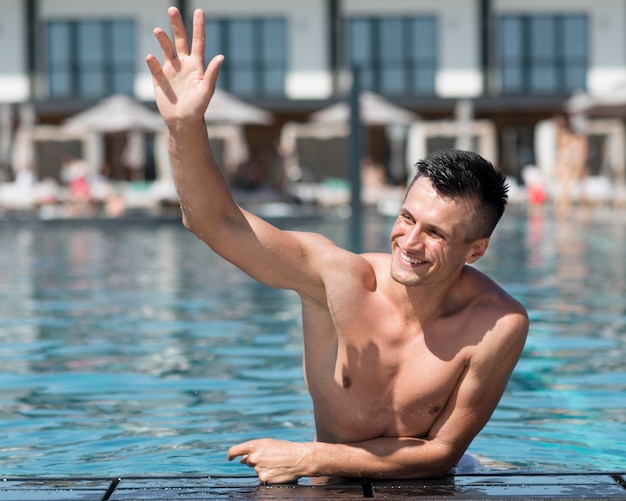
<point x="130" y="349"/>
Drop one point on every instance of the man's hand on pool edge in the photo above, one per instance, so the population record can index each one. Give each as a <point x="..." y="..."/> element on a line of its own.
<point x="280" y="461"/>
<point x="274" y="461"/>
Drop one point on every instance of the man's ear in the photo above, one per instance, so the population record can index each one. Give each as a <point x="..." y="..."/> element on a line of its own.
<point x="477" y="250"/>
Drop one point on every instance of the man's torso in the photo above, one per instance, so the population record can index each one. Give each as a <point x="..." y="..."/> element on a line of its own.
<point x="372" y="371"/>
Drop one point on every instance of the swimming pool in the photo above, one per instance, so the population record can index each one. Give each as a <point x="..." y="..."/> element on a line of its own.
<point x="131" y="349"/>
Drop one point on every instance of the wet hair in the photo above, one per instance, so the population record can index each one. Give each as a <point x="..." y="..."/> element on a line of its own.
<point x="465" y="175"/>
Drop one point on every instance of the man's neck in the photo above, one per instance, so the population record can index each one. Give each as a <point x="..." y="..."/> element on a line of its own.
<point x="426" y="303"/>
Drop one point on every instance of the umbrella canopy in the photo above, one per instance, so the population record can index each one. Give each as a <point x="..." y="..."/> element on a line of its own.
<point x="606" y="105"/>
<point x="374" y="109"/>
<point x="118" y="113"/>
<point x="226" y="108"/>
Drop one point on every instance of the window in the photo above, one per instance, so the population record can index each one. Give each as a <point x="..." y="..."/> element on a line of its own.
<point x="396" y="56"/>
<point x="543" y="55"/>
<point x="90" y="59"/>
<point x="255" y="53"/>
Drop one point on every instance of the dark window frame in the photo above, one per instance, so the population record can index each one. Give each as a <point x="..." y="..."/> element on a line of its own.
<point x="113" y="63"/>
<point x="411" y="67"/>
<point x="260" y="66"/>
<point x="518" y="73"/>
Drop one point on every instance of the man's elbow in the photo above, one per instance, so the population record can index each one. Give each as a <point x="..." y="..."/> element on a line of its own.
<point x="194" y="227"/>
<point x="444" y="467"/>
<point x="187" y="224"/>
<point x="441" y="464"/>
<point x="435" y="466"/>
<point x="430" y="470"/>
<point x="436" y="470"/>
<point x="185" y="221"/>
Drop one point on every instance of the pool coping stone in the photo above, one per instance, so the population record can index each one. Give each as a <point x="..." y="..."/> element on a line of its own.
<point x="499" y="485"/>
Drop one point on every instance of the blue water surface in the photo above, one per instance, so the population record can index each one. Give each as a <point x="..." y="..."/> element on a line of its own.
<point x="131" y="349"/>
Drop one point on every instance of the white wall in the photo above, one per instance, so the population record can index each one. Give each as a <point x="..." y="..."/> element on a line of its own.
<point x="14" y="86"/>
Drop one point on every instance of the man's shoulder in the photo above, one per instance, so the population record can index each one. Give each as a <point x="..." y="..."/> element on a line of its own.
<point x="493" y="303"/>
<point x="484" y="286"/>
<point x="344" y="271"/>
<point x="376" y="258"/>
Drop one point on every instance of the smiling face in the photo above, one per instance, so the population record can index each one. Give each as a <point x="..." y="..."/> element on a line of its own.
<point x="433" y="237"/>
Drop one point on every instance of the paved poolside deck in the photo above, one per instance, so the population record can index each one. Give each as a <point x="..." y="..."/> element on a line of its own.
<point x="501" y="485"/>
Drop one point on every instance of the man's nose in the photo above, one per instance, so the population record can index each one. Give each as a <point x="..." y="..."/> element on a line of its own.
<point x="415" y="236"/>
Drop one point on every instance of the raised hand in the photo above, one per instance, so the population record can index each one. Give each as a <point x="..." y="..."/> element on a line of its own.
<point x="183" y="87"/>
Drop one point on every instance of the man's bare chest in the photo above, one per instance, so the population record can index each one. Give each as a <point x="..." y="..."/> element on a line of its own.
<point x="380" y="380"/>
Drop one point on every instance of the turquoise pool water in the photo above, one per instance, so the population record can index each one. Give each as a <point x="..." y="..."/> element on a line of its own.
<point x="131" y="349"/>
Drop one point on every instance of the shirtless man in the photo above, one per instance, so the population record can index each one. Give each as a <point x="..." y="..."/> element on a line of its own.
<point x="406" y="354"/>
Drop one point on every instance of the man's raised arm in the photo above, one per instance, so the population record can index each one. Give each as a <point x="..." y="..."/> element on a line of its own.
<point x="183" y="90"/>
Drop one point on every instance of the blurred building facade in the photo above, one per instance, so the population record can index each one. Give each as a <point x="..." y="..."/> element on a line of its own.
<point x="516" y="61"/>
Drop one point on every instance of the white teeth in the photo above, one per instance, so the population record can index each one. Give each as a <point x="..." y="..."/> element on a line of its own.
<point x="410" y="259"/>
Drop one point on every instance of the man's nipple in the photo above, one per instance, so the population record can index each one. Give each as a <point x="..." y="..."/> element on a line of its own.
<point x="347" y="382"/>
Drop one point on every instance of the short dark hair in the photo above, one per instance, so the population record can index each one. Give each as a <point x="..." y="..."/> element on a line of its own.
<point x="459" y="174"/>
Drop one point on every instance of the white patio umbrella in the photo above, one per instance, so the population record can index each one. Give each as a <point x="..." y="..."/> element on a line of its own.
<point x="118" y="113"/>
<point x="115" y="114"/>
<point x="225" y="108"/>
<point x="609" y="104"/>
<point x="374" y="110"/>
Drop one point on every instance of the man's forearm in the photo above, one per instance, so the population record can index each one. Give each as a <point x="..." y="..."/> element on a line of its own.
<point x="386" y="457"/>
<point x="201" y="187"/>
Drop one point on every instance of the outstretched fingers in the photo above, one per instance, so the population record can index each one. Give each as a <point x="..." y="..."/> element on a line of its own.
<point x="178" y="28"/>
<point x="198" y="38"/>
<point x="183" y="86"/>
<point x="212" y="72"/>
<point x="160" y="79"/>
<point x="154" y="66"/>
<point x="167" y="47"/>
